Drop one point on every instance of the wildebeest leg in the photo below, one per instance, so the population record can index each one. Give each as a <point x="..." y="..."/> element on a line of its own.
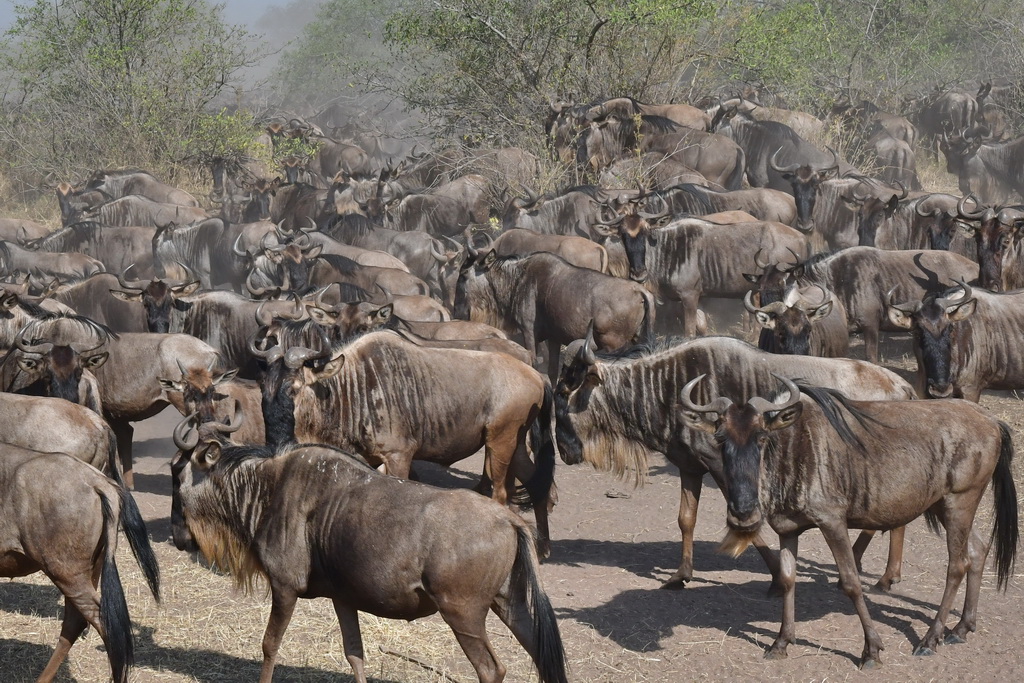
<point x="125" y="433"/>
<point x="690" y="483"/>
<point x="977" y="551"/>
<point x="871" y="343"/>
<point x="958" y="521"/>
<point x="894" y="563"/>
<point x="789" y="545"/>
<point x="73" y="625"/>
<point x="352" y="638"/>
<point x="838" y="538"/>
<point x="522" y="468"/>
<point x="554" y="360"/>
<point x="468" y="622"/>
<point x="282" y="605"/>
<point x="689" y="300"/>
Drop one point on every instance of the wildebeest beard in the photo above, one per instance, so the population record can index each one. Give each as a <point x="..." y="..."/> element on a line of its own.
<point x="278" y="405"/>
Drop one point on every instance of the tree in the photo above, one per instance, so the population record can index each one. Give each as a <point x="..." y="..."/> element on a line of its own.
<point x="112" y="82"/>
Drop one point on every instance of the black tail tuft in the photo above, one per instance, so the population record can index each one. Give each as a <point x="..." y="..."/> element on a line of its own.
<point x="138" y="540"/>
<point x="539" y="486"/>
<point x="113" y="608"/>
<point x="113" y="462"/>
<point x="550" y="656"/>
<point x="1005" y="530"/>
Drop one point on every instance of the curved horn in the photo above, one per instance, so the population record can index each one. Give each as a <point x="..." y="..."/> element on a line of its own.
<point x="974" y="216"/>
<point x="968" y="291"/>
<point x="930" y="214"/>
<point x="748" y="302"/>
<point x="757" y="261"/>
<point x="263" y="318"/>
<point x="458" y="247"/>
<point x="181" y="367"/>
<point x="190" y="275"/>
<point x="587" y="350"/>
<point x="233" y="423"/>
<point x="319" y="302"/>
<point x="835" y="161"/>
<point x="437" y="254"/>
<point x="137" y="285"/>
<point x="38" y="347"/>
<point x="298" y="356"/>
<point x="773" y="162"/>
<point x="908" y="308"/>
<point x="903" y="190"/>
<point x="719" y="405"/>
<point x="257" y="292"/>
<point x="470" y="249"/>
<point x="236" y="249"/>
<point x="178" y="435"/>
<point x="764" y="406"/>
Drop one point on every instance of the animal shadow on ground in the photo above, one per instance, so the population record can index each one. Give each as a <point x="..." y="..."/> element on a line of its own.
<point x="33" y="600"/>
<point x="21" y="662"/>
<point x="732" y="608"/>
<point x="210" y="666"/>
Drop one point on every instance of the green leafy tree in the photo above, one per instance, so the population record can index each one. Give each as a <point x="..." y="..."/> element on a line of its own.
<point x="103" y="82"/>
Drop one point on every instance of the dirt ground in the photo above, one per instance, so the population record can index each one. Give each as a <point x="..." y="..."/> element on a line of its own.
<point x="612" y="547"/>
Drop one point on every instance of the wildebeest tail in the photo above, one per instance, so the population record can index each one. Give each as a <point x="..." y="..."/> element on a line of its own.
<point x="542" y="437"/>
<point x="549" y="657"/>
<point x="1005" y="530"/>
<point x="735" y="181"/>
<point x="113" y="608"/>
<point x="138" y="540"/>
<point x="113" y="463"/>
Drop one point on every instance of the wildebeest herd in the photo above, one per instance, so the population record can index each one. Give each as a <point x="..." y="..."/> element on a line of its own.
<point x="319" y="333"/>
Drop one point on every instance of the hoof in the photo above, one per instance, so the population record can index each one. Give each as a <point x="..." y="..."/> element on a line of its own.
<point x="954" y="639"/>
<point x="772" y="654"/>
<point x="674" y="584"/>
<point x="870" y="663"/>
<point x="924" y="652"/>
<point x="882" y="588"/>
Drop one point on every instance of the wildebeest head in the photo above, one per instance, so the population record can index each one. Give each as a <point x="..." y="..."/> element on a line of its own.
<point x="256" y="205"/>
<point x="293" y="260"/>
<point x="934" y="322"/>
<point x="995" y="233"/>
<point x="743" y="432"/>
<point x="580" y="373"/>
<point x="873" y="208"/>
<point x="472" y="279"/>
<point x="51" y="355"/>
<point x="805" y="179"/>
<point x="630" y="224"/>
<point x="158" y="296"/>
<point x="346" y="320"/>
<point x="961" y="147"/>
<point x="199" y="448"/>
<point x="774" y="278"/>
<point x="198" y="389"/>
<point x="940" y="221"/>
<point x="791" y="319"/>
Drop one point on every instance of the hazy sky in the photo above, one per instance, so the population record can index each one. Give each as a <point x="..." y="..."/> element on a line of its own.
<point x="235" y="11"/>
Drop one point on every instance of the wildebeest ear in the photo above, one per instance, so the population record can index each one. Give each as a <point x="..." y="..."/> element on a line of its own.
<point x="962" y="311"/>
<point x="210" y="455"/>
<point x="96" y="360"/>
<point x="330" y="368"/>
<point x="182" y="305"/>
<point x="320" y="316"/>
<point x="783" y="418"/>
<point x="899" y="318"/>
<point x="751" y="278"/>
<point x="765" y="320"/>
<point x="27" y="364"/>
<point x="225" y="377"/>
<point x="314" y="252"/>
<point x="171" y="385"/>
<point x="8" y="301"/>
<point x="186" y="289"/>
<point x="384" y="312"/>
<point x="701" y="421"/>
<point x="126" y="296"/>
<point x="966" y="229"/>
<point x="788" y="177"/>
<point x="489" y="259"/>
<point x="892" y="204"/>
<point x="820" y="312"/>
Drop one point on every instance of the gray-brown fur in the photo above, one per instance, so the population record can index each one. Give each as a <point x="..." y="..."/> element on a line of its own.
<point x="66" y="266"/>
<point x="764" y="204"/>
<point x="19" y="229"/>
<point x="611" y="413"/>
<point x="965" y="342"/>
<point x="579" y="251"/>
<point x="318" y="522"/>
<point x="827" y="462"/>
<point x="544" y="298"/>
<point x="138" y="210"/>
<point x="114" y="246"/>
<point x="61" y="517"/>
<point x="121" y="183"/>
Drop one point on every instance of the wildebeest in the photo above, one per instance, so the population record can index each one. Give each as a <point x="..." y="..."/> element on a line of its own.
<point x="941" y="112"/>
<point x="803" y="124"/>
<point x="690" y="258"/>
<point x="29" y="422"/>
<point x="797" y="324"/>
<point x="60" y="516"/>
<point x="936" y="226"/>
<point x="315" y="521"/>
<point x="626" y="107"/>
<point x="571" y="212"/>
<point x="888" y="465"/>
<point x="392" y="402"/>
<point x="215" y="396"/>
<point x="117" y="183"/>
<point x="19" y="229"/>
<point x="579" y="251"/>
<point x="547" y="299"/>
<point x="860" y="278"/>
<point x="138" y="210"/>
<point x="764" y="204"/>
<point x="157" y="297"/>
<point x="992" y="170"/>
<point x="654" y="170"/>
<point x="965" y="340"/>
<point x="716" y="157"/>
<point x="115" y="247"/>
<point x="62" y="265"/>
<point x="611" y="411"/>
<point x="54" y="356"/>
<point x="996" y="235"/>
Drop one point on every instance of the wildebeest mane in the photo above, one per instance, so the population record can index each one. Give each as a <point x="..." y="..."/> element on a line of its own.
<point x="342" y="264"/>
<point x="87" y="323"/>
<point x="348" y="226"/>
<point x="830" y="401"/>
<point x="71" y="237"/>
<point x="233" y="456"/>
